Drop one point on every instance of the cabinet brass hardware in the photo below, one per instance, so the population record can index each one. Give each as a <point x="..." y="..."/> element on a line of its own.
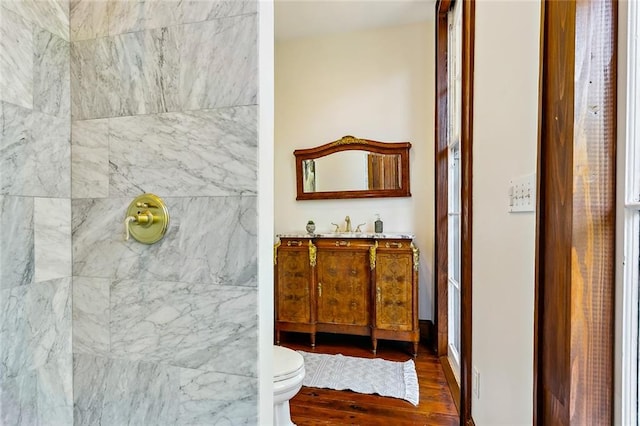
<point x="372" y="256"/>
<point x="275" y="253"/>
<point x="312" y="254"/>
<point x="319" y="289"/>
<point x="343" y="243"/>
<point x="294" y="243"/>
<point x="147" y="219"/>
<point x="416" y="257"/>
<point x="393" y="245"/>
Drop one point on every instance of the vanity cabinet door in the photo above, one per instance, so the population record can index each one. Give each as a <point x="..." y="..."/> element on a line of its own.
<point x="343" y="289"/>
<point x="394" y="289"/>
<point x="293" y="290"/>
<point x="294" y="287"/>
<point x="395" y="293"/>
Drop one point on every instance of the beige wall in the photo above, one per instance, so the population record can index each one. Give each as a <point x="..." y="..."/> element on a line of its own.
<point x="375" y="84"/>
<point x="507" y="48"/>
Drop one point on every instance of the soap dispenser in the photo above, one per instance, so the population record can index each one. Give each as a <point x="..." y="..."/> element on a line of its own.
<point x="378" y="224"/>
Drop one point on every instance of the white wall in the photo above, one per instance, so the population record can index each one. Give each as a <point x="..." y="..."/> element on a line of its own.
<point x="507" y="45"/>
<point x="265" y="211"/>
<point x="376" y="84"/>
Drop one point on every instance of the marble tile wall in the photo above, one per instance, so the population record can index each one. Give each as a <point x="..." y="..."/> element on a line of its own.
<point x="35" y="214"/>
<point x="143" y="67"/>
<point x="164" y="100"/>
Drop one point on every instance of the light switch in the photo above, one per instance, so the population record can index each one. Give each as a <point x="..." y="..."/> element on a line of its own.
<point x="522" y="194"/>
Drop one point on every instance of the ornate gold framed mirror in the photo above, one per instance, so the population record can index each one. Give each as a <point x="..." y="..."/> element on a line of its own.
<point x="353" y="168"/>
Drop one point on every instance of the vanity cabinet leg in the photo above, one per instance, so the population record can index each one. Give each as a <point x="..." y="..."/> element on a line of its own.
<point x="374" y="342"/>
<point x="278" y="337"/>
<point x="415" y="349"/>
<point x="313" y="340"/>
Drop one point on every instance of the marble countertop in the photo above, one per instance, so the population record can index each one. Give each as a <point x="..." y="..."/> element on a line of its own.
<point x="380" y="236"/>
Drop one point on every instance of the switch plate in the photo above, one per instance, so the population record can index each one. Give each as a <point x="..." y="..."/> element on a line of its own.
<point x="522" y="194"/>
<point x="475" y="383"/>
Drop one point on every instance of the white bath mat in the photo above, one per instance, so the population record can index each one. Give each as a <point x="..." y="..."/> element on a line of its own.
<point x="362" y="375"/>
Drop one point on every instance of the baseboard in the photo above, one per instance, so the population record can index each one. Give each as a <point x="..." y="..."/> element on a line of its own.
<point x="454" y="387"/>
<point x="426" y="332"/>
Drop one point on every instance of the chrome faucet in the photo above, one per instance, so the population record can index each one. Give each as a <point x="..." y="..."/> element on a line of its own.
<point x="348" y="224"/>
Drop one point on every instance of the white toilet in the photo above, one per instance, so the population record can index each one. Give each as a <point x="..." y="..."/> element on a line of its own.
<point x="288" y="373"/>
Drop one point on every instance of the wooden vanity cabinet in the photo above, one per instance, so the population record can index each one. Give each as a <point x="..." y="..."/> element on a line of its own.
<point x="361" y="286"/>
<point x="395" y="315"/>
<point x="294" y="285"/>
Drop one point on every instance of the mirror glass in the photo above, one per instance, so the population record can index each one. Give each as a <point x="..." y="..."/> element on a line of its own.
<point x="353" y="168"/>
<point x="352" y="171"/>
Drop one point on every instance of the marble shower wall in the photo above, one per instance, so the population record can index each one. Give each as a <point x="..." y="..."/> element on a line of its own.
<point x="164" y="100"/>
<point x="35" y="214"/>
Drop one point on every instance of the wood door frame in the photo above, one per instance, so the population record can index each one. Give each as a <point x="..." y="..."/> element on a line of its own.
<point x="575" y="218"/>
<point x="463" y="397"/>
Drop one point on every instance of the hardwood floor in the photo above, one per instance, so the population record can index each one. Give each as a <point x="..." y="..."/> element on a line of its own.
<point x="314" y="406"/>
